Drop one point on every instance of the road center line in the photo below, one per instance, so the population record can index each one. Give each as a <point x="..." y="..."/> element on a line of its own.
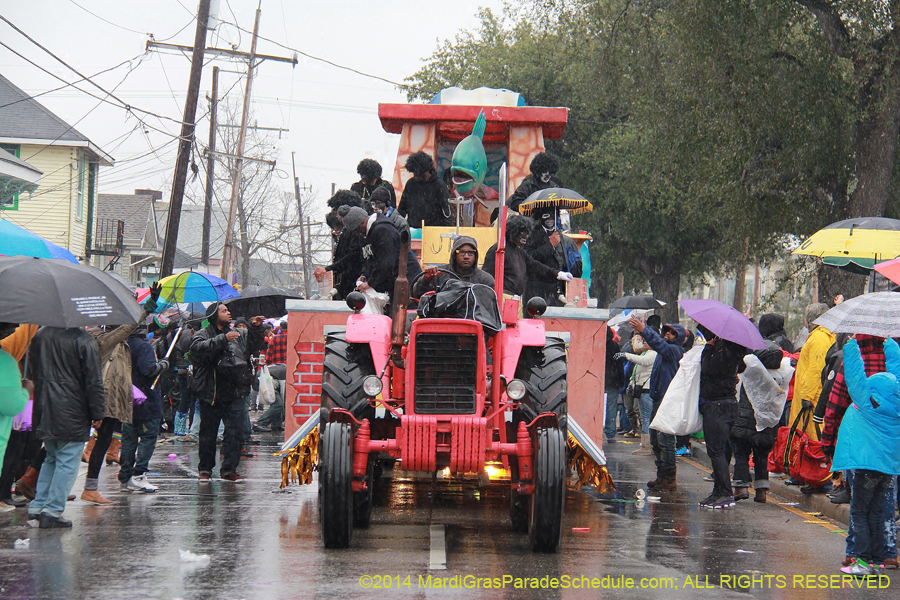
<point x="438" y="560"/>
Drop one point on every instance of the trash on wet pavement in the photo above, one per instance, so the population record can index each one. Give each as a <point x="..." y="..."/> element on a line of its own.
<point x="188" y="556"/>
<point x="22" y="544"/>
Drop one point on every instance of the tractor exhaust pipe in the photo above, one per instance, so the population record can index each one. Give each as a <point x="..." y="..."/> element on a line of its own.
<point x="401" y="301"/>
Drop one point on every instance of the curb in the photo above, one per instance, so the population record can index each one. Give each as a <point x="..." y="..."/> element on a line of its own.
<point x="818" y="503"/>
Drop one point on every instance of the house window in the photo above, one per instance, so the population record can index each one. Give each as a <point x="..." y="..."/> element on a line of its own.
<point x="80" y="191"/>
<point x="10" y="201"/>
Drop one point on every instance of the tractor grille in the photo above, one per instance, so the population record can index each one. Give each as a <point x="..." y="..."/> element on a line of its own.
<point x="445" y="372"/>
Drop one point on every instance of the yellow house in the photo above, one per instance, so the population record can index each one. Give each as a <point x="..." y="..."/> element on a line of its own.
<point x="62" y="208"/>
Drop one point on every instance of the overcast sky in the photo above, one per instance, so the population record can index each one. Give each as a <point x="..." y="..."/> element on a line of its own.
<point x="331" y="114"/>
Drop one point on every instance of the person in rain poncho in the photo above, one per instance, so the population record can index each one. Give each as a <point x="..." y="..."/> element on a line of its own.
<point x="867" y="442"/>
<point x="463" y="263"/>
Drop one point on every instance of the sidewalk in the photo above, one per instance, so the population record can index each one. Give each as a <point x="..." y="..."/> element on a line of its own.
<point x="811" y="502"/>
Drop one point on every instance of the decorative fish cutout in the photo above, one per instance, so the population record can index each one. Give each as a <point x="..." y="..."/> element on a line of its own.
<point x="469" y="164"/>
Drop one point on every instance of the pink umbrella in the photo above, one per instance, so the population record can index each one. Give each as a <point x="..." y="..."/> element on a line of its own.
<point x="889" y="269"/>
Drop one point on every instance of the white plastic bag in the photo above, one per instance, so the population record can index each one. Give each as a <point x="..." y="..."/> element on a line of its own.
<point x="767" y="389"/>
<point x="679" y="412"/>
<point x="375" y="302"/>
<point x="266" y="387"/>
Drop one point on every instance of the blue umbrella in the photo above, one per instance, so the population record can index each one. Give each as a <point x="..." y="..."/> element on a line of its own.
<point x="16" y="241"/>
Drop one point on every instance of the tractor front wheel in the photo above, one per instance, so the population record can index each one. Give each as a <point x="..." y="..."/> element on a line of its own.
<point x="545" y="528"/>
<point x="335" y="485"/>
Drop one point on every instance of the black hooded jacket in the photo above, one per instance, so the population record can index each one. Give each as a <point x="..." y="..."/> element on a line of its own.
<point x="720" y="363"/>
<point x="381" y="256"/>
<point x="614" y="380"/>
<point x="425" y="202"/>
<point x="771" y="327"/>
<point x="475" y="276"/>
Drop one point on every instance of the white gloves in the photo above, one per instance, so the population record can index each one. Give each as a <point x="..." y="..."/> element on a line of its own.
<point x="563" y="276"/>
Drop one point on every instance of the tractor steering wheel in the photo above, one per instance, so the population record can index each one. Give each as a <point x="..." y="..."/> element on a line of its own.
<point x="416" y="278"/>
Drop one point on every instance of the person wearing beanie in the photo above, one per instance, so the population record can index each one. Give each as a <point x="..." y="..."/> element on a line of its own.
<point x="220" y="357"/>
<point x="370" y="181"/>
<point x="381" y="204"/>
<point x="381" y="252"/>
<point x="424" y="199"/>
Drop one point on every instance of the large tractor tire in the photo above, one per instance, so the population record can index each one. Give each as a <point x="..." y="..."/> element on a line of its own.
<point x="548" y="501"/>
<point x="543" y="369"/>
<point x="544" y="372"/>
<point x="335" y="485"/>
<point x="346" y="365"/>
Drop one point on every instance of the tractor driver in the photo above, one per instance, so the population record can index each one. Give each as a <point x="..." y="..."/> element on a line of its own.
<point x="463" y="263"/>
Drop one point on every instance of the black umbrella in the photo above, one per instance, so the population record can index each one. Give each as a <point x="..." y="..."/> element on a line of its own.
<point x="645" y="302"/>
<point x="127" y="283"/>
<point x="261" y="300"/>
<point x="58" y="293"/>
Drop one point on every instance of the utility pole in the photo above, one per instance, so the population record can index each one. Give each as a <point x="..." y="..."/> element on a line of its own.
<point x="304" y="255"/>
<point x="228" y="250"/>
<point x="185" y="141"/>
<point x="210" y="167"/>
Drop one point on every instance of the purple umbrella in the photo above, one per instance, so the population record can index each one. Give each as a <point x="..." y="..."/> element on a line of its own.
<point x="725" y="321"/>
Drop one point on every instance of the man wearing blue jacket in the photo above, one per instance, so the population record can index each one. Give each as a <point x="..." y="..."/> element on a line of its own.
<point x="669" y="349"/>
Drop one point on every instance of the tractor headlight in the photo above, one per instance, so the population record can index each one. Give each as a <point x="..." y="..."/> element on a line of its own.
<point x="372" y="386"/>
<point x="515" y="390"/>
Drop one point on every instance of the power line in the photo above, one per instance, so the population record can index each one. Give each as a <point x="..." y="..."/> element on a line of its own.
<point x="88" y="79"/>
<point x="101" y="99"/>
<point x="62" y="87"/>
<point x="329" y="62"/>
<point x="108" y="21"/>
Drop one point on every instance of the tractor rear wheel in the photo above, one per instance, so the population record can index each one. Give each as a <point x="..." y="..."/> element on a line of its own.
<point x="548" y="501"/>
<point x="543" y="369"/>
<point x="346" y="365"/>
<point x="335" y="485"/>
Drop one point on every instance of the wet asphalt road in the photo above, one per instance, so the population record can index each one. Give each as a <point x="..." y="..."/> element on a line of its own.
<point x="264" y="544"/>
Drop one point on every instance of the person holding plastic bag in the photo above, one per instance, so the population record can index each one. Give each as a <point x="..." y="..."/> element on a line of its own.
<point x="764" y="387"/>
<point x="720" y="363"/>
<point x="669" y="348"/>
<point x="381" y="256"/>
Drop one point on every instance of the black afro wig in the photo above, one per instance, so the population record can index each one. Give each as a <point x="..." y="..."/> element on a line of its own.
<point x="516" y="226"/>
<point x="419" y="163"/>
<point x="348" y="198"/>
<point x="369" y="169"/>
<point x="544" y="162"/>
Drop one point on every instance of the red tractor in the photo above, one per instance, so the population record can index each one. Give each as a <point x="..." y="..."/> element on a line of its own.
<point x="447" y="394"/>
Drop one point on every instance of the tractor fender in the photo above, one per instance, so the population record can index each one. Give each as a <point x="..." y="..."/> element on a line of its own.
<point x="374" y="330"/>
<point x="527" y="332"/>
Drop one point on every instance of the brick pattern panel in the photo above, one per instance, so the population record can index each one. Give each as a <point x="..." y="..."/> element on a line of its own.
<point x="306" y="352"/>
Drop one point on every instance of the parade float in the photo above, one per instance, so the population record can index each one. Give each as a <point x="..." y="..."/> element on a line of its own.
<point x="508" y="400"/>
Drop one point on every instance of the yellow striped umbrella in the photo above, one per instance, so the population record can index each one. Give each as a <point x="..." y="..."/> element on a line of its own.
<point x="855" y="244"/>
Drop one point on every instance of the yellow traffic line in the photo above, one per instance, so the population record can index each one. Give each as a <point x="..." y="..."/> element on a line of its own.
<point x="808" y="518"/>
